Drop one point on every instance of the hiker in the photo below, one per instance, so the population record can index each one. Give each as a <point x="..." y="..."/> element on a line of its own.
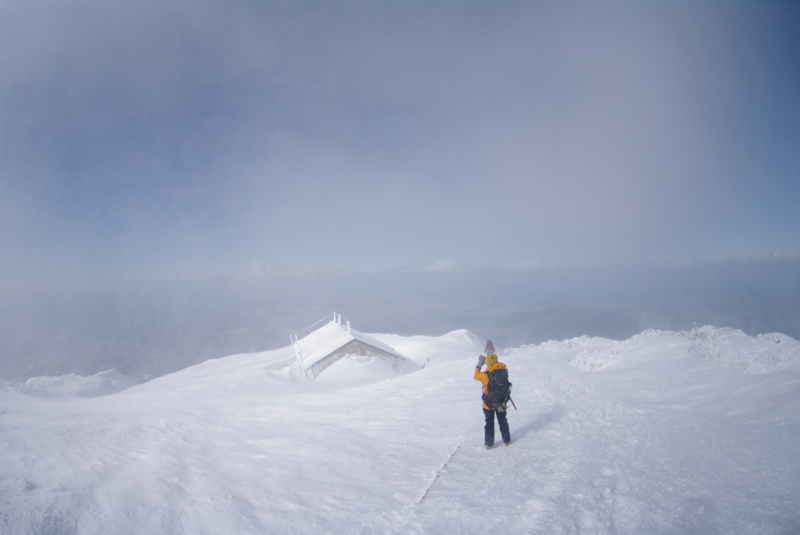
<point x="496" y="394"/>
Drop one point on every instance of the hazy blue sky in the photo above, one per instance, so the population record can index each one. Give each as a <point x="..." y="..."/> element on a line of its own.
<point x="163" y="139"/>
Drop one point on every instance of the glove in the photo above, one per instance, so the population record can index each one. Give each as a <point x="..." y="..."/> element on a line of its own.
<point x="481" y="361"/>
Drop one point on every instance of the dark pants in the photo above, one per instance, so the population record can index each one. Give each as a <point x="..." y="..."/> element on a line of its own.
<point x="488" y="429"/>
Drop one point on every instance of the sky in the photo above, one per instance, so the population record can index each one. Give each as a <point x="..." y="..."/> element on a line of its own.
<point x="180" y="140"/>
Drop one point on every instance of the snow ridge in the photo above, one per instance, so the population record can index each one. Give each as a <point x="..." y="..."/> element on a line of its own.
<point x="658" y="438"/>
<point x="99" y="384"/>
<point x="731" y="349"/>
<point x="722" y="347"/>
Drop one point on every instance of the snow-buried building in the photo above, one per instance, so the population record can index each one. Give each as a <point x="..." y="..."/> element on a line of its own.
<point x="335" y="340"/>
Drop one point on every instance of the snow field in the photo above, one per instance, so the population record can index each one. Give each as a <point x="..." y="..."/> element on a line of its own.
<point x="648" y="435"/>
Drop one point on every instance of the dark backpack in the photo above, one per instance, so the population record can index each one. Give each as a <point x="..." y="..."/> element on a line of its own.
<point x="499" y="389"/>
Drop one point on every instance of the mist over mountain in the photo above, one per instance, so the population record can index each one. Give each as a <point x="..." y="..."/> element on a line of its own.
<point x="145" y="329"/>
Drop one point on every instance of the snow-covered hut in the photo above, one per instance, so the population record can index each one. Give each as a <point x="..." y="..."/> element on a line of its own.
<point x="333" y="341"/>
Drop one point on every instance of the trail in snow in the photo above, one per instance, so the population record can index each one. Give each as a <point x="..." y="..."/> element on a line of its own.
<point x="663" y="433"/>
<point x="601" y="455"/>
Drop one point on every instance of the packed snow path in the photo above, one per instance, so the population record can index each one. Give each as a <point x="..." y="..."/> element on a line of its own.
<point x="691" y="433"/>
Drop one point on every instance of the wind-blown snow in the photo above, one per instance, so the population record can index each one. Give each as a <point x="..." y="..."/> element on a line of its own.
<point x="100" y="384"/>
<point x="667" y="432"/>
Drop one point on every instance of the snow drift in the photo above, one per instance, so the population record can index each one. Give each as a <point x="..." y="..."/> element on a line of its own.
<point x="100" y="384"/>
<point x="667" y="432"/>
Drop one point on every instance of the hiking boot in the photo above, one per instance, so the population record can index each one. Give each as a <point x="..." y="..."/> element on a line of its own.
<point x="488" y="447"/>
<point x="507" y="443"/>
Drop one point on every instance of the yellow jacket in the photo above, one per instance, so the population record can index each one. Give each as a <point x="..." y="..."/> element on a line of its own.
<point x="484" y="379"/>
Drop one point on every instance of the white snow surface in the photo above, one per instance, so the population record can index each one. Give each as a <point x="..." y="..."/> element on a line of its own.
<point x="100" y="384"/>
<point x="665" y="433"/>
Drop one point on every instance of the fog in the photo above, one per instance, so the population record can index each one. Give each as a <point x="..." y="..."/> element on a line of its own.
<point x="177" y="140"/>
<point x="147" y="328"/>
<point x="525" y="170"/>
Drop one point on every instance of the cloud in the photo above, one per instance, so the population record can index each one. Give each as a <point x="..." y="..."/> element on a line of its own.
<point x="164" y="139"/>
<point x="443" y="266"/>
